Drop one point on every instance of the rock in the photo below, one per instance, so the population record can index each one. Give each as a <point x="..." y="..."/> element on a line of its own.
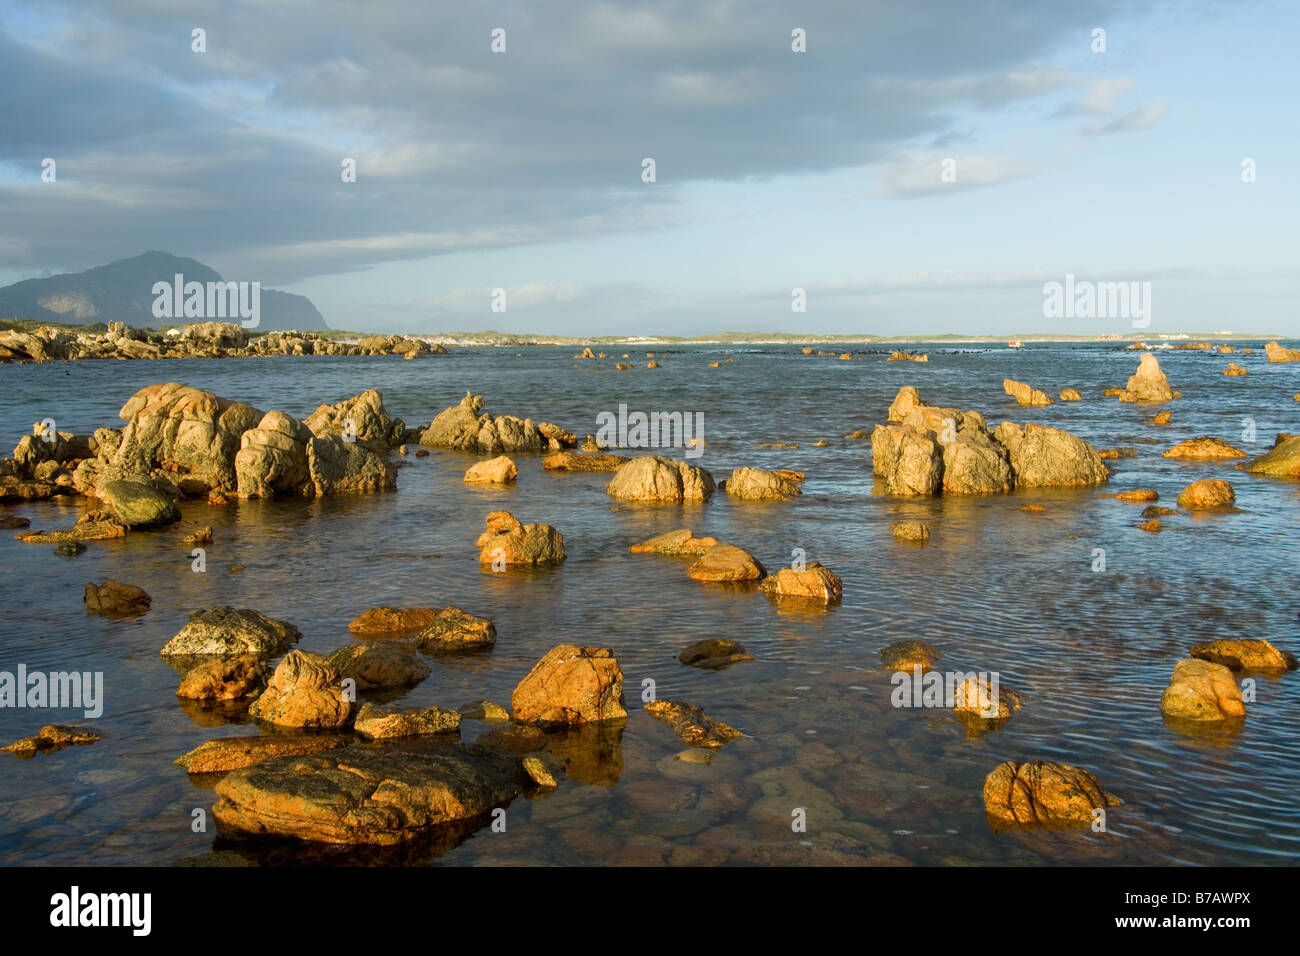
<point x="202" y="536"/>
<point x="115" y="599"/>
<point x="714" y="654"/>
<point x="1234" y="369"/>
<point x="1207" y="494"/>
<point x="658" y="479"/>
<point x="507" y="542"/>
<point x="515" y="739"/>
<point x="232" y="632"/>
<point x="392" y="621"/>
<point x="1161" y="418"/>
<point x="1153" y="526"/>
<point x="498" y="471"/>
<point x="536" y="767"/>
<point x="725" y="563"/>
<point x="1148" y="384"/>
<point x="1203" y="448"/>
<point x="360" y="795"/>
<point x="224" y="679"/>
<point x="1024" y="394"/>
<point x="858" y="434"/>
<point x="69" y="549"/>
<point x="138" y="505"/>
<point x="12" y="522"/>
<point x="679" y="543"/>
<point x="754" y="484"/>
<point x="623" y="366"/>
<point x="467" y="427"/>
<point x="454" y="629"/>
<point x="979" y="698"/>
<point x="909" y="462"/>
<point x="1136" y="495"/>
<point x="574" y="461"/>
<point x="304" y="691"/>
<point x="91" y="526"/>
<point x="917" y="531"/>
<point x="234" y="753"/>
<point x="1245" y="655"/>
<point x="1278" y="353"/>
<point x="1039" y="793"/>
<point x="1154" y="511"/>
<point x="907" y="655"/>
<point x="1033" y="509"/>
<point x="51" y="738"/>
<point x="1282" y="461"/>
<point x="363" y="418"/>
<point x="692" y="724"/>
<point x="571" y="685"/>
<point x="1070" y="395"/>
<point x="272" y="458"/>
<point x="340" y="467"/>
<point x="379" y="665"/>
<point x="897" y="356"/>
<point x="1201" y="690"/>
<point x="1111" y="454"/>
<point x="812" y="582"/>
<point x="376" y="723"/>
<point x="484" y="710"/>
<point x="1043" y="457"/>
<point x="586" y="353"/>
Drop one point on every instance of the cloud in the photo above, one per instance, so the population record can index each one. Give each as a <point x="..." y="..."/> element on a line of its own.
<point x="926" y="174"/>
<point x="1142" y="118"/>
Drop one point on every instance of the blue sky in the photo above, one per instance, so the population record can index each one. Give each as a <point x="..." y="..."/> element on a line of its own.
<point x="775" y="170"/>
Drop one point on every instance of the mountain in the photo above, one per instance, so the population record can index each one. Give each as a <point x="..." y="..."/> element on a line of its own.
<point x="122" y="291"/>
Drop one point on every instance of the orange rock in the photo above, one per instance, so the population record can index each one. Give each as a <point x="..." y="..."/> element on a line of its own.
<point x="726" y="562"/>
<point x="571" y="685"/>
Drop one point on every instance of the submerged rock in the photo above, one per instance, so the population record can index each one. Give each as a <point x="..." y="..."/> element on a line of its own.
<point x="571" y="684"/>
<point x="454" y="629"/>
<point x="714" y="654"/>
<point x="232" y="632"/>
<point x="233" y="753"/>
<point x="916" y="531"/>
<point x="1255" y="655"/>
<point x="224" y="679"/>
<point x="907" y="655"/>
<point x="574" y="461"/>
<point x="692" y="724"/>
<point x="51" y="738"/>
<point x="115" y="599"/>
<point x="392" y="621"/>
<point x="1025" y="394"/>
<point x="360" y="795"/>
<point x="1137" y="495"/>
<point x="508" y="542"/>
<point x="726" y="563"/>
<point x="679" y="543"/>
<point x="91" y="526"/>
<point x="1039" y="793"/>
<point x="1202" y="691"/>
<point x="1203" y="448"/>
<point x="653" y="478"/>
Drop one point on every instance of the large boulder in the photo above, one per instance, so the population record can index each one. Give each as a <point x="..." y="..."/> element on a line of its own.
<point x="452" y="629"/>
<point x="1039" y="793"/>
<point x="305" y="691"/>
<point x="508" y="542"/>
<point x="272" y="458"/>
<point x="1280" y="353"/>
<point x="138" y="504"/>
<point x="1257" y="655"/>
<point x="1281" y="461"/>
<point x="232" y="632"/>
<point x="908" y="461"/>
<point x="755" y="484"/>
<point x="363" y="418"/>
<point x="726" y="563"/>
<point x="1044" y="457"/>
<point x="362" y="795"/>
<point x="1148" y="383"/>
<point x="653" y="478"/>
<point x="810" y="583"/>
<point x="379" y="665"/>
<point x="340" y="467"/>
<point x="1025" y="394"/>
<point x="571" y="685"/>
<point x="1208" y="494"/>
<point x="224" y="679"/>
<point x="1202" y="691"/>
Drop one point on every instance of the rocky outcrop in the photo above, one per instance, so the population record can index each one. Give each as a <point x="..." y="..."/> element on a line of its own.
<point x="755" y="484"/>
<point x="224" y="679"/>
<point x="1148" y="383"/>
<point x="91" y="526"/>
<point x="1281" y="461"/>
<point x="304" y="691"/>
<point x="467" y="427"/>
<point x="1204" y="448"/>
<point x="1279" y="353"/>
<point x="507" y="542"/>
<point x="1043" y="794"/>
<point x="692" y="725"/>
<point x="272" y="458"/>
<point x="235" y="753"/>
<point x="653" y="478"/>
<point x="1025" y="394"/>
<point x="361" y="419"/>
<point x="115" y="599"/>
<point x="679" y="543"/>
<point x="571" y="685"/>
<point x="453" y="630"/>
<point x="1207" y="494"/>
<point x="385" y="723"/>
<point x="813" y="582"/>
<point x="380" y="665"/>
<point x="361" y="795"/>
<point x="496" y="471"/>
<point x="726" y="563"/>
<point x="1202" y="691"/>
<point x="232" y="632"/>
<point x="1248" y="655"/>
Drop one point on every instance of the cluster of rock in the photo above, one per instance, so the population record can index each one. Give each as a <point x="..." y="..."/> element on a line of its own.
<point x="925" y="450"/>
<point x="200" y="340"/>
<point x="467" y="427"/>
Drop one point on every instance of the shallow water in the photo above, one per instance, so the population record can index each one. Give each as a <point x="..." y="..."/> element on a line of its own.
<point x="997" y="589"/>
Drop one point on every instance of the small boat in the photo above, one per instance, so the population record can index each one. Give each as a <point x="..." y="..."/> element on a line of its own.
<point x="1015" y="344"/>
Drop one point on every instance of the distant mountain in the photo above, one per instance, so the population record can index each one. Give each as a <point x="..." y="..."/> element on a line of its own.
<point x="122" y="291"/>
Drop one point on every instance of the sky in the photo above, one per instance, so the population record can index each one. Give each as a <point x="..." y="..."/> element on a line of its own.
<point x="919" y="168"/>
